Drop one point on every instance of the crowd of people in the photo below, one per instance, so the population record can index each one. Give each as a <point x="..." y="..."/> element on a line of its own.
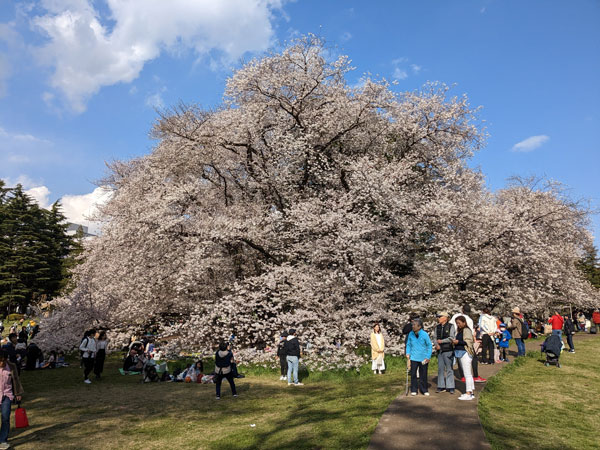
<point x="458" y="339"/>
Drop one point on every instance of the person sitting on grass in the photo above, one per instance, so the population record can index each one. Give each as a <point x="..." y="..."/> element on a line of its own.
<point x="11" y="388"/>
<point x="196" y="371"/>
<point x="50" y="363"/>
<point x="60" y="360"/>
<point x="223" y="361"/>
<point x="133" y="363"/>
<point x="418" y="354"/>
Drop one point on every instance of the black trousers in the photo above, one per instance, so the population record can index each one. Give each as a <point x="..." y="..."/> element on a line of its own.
<point x="283" y="365"/>
<point x="473" y="366"/>
<point x="420" y="383"/>
<point x="88" y="366"/>
<point x="487" y="349"/>
<point x="570" y="341"/>
<point x="219" y="379"/>
<point x="99" y="362"/>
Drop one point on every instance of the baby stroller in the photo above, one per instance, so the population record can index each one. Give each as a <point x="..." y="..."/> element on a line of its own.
<point x="552" y="346"/>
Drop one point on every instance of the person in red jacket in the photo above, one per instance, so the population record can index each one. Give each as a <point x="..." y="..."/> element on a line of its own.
<point x="557" y="324"/>
<point x="596" y="318"/>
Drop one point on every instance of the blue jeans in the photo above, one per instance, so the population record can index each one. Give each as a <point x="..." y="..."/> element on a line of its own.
<point x="292" y="362"/>
<point x="520" y="347"/>
<point x="5" y="419"/>
<point x="557" y="333"/>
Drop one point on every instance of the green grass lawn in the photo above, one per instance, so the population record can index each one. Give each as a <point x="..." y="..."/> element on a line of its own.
<point x="332" y="410"/>
<point x="528" y="405"/>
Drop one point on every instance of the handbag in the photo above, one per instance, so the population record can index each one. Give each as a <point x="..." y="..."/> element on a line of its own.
<point x="21" y="417"/>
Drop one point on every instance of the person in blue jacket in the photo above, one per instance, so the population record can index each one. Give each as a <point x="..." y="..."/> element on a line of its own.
<point x="504" y="342"/>
<point x="418" y="353"/>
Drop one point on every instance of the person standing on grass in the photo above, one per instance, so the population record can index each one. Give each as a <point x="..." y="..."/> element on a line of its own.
<point x="569" y="330"/>
<point x="516" y="327"/>
<point x="466" y="310"/>
<point x="504" y="342"/>
<point x="464" y="352"/>
<point x="11" y="349"/>
<point x="88" y="352"/>
<point x="445" y="333"/>
<point x="557" y="323"/>
<point x="487" y="326"/>
<point x="581" y="320"/>
<point x="292" y="353"/>
<point x="223" y="362"/>
<point x="418" y="354"/>
<point x="377" y="350"/>
<point x="596" y="319"/>
<point x="101" y="344"/>
<point x="11" y="388"/>
<point x="282" y="356"/>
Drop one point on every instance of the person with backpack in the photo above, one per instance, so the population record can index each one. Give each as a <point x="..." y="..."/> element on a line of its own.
<point x="11" y="388"/>
<point x="445" y="333"/>
<point x="282" y="357"/>
<point x="517" y="327"/>
<point x="487" y="326"/>
<point x="557" y="323"/>
<point x="569" y="330"/>
<point x="418" y="354"/>
<point x="223" y="362"/>
<point x="88" y="352"/>
<point x="292" y="355"/>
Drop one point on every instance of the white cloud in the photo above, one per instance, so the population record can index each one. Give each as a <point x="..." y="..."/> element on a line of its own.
<point x="81" y="209"/>
<point x="415" y="68"/>
<point x="400" y="74"/>
<point x="41" y="194"/>
<point x="530" y="144"/>
<point x="400" y="60"/>
<point x="88" y="53"/>
<point x="22" y="148"/>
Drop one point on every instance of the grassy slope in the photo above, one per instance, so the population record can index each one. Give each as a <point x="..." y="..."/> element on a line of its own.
<point x="528" y="405"/>
<point x="330" y="411"/>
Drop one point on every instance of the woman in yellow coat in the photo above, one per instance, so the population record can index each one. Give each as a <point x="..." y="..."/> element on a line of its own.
<point x="377" y="350"/>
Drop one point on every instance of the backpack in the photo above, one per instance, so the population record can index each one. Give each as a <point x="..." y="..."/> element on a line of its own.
<point x="224" y="362"/>
<point x="524" y="329"/>
<point x="81" y="352"/>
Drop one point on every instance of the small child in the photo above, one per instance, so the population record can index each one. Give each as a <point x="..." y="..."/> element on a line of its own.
<point x="504" y="342"/>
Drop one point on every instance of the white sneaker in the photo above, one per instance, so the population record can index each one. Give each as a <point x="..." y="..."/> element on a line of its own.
<point x="466" y="397"/>
<point x="290" y="384"/>
<point x="426" y="394"/>
<point x="87" y="381"/>
<point x="298" y="384"/>
<point x="5" y="445"/>
<point x="413" y="393"/>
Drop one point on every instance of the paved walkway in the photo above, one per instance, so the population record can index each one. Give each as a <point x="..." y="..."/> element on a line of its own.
<point x="419" y="422"/>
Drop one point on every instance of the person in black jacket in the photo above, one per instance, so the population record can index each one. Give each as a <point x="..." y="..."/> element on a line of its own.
<point x="282" y="356"/>
<point x="292" y="353"/>
<point x="569" y="330"/>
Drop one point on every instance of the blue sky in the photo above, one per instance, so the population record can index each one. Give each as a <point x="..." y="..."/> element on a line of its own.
<point x="79" y="79"/>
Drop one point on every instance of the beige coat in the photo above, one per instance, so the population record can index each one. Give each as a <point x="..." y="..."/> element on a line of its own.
<point x="376" y="351"/>
<point x="468" y="338"/>
<point x="515" y="327"/>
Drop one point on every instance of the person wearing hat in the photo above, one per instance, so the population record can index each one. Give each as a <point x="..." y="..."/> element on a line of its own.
<point x="516" y="327"/>
<point x="445" y="333"/>
<point x="281" y="354"/>
<point x="292" y="356"/>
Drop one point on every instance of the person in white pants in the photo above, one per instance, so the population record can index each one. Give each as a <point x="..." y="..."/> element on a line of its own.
<point x="464" y="352"/>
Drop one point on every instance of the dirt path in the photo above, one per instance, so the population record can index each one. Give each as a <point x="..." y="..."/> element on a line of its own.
<point x="439" y="421"/>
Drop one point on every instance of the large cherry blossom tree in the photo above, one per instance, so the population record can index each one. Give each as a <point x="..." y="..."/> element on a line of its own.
<point x="305" y="202"/>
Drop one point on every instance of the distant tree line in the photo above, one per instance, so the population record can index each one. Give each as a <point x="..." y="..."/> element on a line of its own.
<point x="36" y="253"/>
